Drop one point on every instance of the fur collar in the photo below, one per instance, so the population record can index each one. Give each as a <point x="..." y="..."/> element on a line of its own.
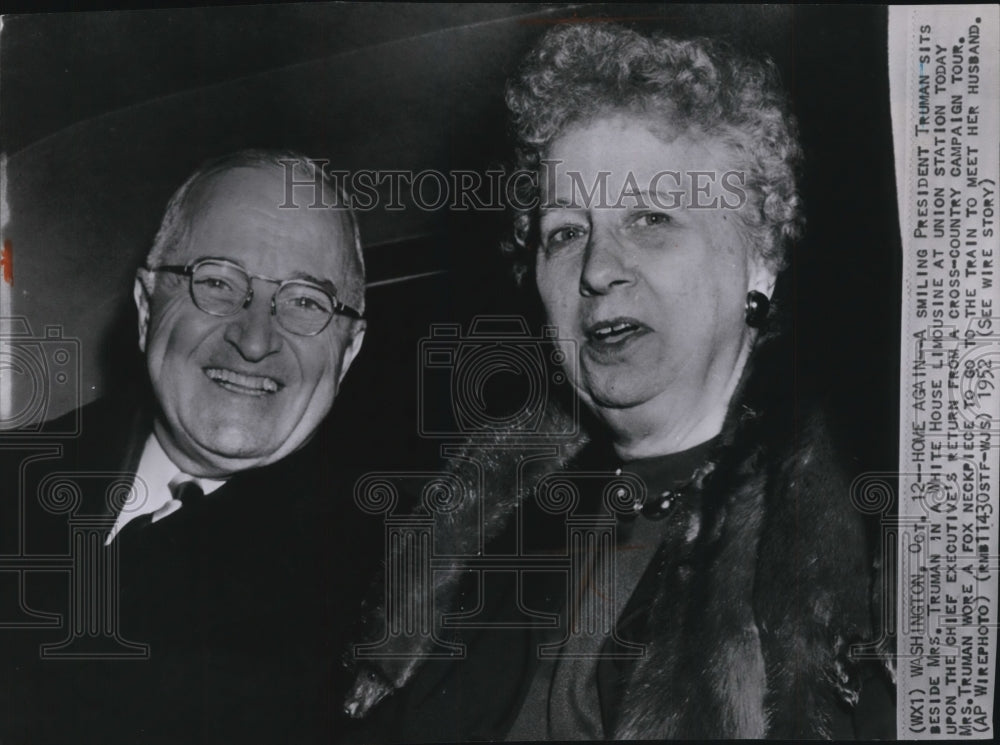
<point x="759" y="646"/>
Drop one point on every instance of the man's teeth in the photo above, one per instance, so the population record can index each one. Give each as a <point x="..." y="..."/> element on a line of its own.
<point x="256" y="383"/>
<point x="618" y="328"/>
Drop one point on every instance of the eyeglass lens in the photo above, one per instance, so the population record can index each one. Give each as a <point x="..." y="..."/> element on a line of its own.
<point x="221" y="289"/>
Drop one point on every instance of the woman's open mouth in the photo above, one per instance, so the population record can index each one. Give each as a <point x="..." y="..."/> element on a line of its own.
<point x="613" y="335"/>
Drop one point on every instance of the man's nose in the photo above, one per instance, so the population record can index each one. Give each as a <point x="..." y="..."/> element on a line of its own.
<point x="605" y="265"/>
<point x="253" y="332"/>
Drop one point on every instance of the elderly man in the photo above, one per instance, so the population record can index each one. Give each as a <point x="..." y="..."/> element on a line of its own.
<point x="227" y="548"/>
<point x="249" y="317"/>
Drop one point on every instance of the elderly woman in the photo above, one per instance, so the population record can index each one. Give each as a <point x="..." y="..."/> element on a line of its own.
<point x="666" y="204"/>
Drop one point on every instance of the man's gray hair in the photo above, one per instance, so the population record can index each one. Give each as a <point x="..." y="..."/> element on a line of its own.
<point x="176" y="223"/>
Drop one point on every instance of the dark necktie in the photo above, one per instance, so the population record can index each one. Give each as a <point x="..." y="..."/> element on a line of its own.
<point x="155" y="564"/>
<point x="189" y="493"/>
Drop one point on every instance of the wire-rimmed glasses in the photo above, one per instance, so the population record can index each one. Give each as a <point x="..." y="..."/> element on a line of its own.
<point x="221" y="287"/>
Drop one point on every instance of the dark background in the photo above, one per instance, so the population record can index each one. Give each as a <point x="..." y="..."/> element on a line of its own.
<point x="103" y="115"/>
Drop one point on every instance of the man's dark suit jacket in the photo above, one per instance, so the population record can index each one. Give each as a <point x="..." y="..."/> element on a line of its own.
<point x="244" y="602"/>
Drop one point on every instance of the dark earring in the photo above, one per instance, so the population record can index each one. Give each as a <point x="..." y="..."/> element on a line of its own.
<point x="757" y="308"/>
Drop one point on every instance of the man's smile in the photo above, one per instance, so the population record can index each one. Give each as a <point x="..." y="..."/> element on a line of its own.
<point x="247" y="385"/>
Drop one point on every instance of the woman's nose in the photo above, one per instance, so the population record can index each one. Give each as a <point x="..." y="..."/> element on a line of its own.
<point x="604" y="265"/>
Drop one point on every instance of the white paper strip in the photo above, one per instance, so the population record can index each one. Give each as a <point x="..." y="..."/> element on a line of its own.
<point x="944" y="84"/>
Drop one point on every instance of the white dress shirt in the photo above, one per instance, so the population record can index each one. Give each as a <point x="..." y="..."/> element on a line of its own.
<point x="151" y="488"/>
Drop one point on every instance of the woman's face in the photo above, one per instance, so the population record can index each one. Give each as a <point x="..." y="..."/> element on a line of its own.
<point x="647" y="289"/>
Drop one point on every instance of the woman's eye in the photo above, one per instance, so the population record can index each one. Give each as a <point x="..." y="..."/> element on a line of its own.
<point x="650" y="219"/>
<point x="564" y="235"/>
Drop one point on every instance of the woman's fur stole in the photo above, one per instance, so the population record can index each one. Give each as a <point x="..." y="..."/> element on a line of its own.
<point x="760" y="646"/>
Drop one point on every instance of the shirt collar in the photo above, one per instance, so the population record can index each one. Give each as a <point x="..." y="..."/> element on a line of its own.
<point x="151" y="488"/>
<point x="155" y="467"/>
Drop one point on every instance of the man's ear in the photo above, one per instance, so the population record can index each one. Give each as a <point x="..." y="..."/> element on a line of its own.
<point x="141" y="292"/>
<point x="353" y="347"/>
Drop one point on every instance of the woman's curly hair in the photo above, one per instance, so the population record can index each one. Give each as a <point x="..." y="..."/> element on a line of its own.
<point x="578" y="72"/>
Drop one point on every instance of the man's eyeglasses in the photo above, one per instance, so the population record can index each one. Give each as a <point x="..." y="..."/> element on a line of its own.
<point x="223" y="288"/>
